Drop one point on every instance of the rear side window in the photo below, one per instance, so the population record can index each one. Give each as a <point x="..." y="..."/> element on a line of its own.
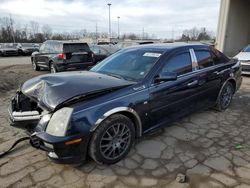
<point x="218" y="57"/>
<point x="78" y="47"/>
<point x="180" y="64"/>
<point x="204" y="59"/>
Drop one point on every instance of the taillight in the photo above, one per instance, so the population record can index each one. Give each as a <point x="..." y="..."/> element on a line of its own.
<point x="61" y="56"/>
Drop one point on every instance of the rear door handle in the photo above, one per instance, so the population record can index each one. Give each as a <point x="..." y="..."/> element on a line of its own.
<point x="219" y="72"/>
<point x="194" y="82"/>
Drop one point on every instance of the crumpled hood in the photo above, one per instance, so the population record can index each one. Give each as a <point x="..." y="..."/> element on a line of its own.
<point x="243" y="56"/>
<point x="50" y="90"/>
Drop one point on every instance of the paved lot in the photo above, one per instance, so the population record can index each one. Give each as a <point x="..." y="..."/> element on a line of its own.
<point x="16" y="60"/>
<point x="202" y="146"/>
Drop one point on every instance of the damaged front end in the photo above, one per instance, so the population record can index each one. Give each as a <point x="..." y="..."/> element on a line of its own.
<point x="25" y="113"/>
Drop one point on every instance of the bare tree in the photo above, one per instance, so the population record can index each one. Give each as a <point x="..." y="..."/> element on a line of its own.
<point x="34" y="27"/>
<point x="47" y="31"/>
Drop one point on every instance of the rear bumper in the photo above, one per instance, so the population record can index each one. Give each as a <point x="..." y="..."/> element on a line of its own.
<point x="73" y="66"/>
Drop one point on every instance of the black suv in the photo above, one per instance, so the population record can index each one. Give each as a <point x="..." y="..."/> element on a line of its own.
<point x="62" y="56"/>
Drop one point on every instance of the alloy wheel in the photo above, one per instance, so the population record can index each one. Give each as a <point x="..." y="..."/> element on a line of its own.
<point x="52" y="68"/>
<point x="115" y="141"/>
<point x="226" y="96"/>
<point x="34" y="65"/>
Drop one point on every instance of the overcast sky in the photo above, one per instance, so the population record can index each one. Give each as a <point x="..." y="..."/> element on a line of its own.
<point x="162" y="18"/>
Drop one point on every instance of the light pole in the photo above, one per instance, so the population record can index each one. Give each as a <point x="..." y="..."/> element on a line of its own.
<point x="109" y="4"/>
<point x="118" y="18"/>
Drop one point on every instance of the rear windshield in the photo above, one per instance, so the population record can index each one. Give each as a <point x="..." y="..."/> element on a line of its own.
<point x="78" y="47"/>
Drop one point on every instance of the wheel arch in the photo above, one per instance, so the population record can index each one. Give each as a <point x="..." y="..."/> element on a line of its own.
<point x="233" y="82"/>
<point x="126" y="111"/>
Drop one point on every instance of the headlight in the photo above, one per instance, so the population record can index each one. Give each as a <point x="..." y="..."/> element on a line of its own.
<point x="58" y="124"/>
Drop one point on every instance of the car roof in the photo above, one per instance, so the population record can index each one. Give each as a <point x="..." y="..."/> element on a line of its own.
<point x="167" y="46"/>
<point x="66" y="42"/>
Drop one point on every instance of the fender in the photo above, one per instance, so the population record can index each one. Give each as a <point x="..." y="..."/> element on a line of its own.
<point x="137" y="119"/>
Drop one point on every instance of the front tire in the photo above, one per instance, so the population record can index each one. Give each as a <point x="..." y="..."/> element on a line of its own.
<point x="112" y="140"/>
<point x="34" y="65"/>
<point x="225" y="97"/>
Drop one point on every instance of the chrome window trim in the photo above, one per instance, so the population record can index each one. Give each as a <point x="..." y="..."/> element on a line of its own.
<point x="195" y="65"/>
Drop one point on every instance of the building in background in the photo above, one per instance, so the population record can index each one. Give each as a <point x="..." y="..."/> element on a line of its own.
<point x="233" y="26"/>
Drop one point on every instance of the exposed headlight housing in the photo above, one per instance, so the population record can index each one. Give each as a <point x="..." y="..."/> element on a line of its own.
<point x="58" y="124"/>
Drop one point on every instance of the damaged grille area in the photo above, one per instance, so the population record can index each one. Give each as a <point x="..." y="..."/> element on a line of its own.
<point x="24" y="113"/>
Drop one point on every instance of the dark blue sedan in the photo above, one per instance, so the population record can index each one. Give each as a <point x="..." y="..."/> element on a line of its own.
<point x="99" y="113"/>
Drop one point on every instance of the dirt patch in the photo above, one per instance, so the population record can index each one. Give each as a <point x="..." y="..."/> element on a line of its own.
<point x="12" y="77"/>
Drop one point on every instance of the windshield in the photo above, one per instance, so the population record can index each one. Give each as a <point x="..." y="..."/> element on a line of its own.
<point x="247" y="49"/>
<point x="130" y="65"/>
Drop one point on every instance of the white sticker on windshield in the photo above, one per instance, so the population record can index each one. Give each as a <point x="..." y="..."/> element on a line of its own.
<point x="152" y="54"/>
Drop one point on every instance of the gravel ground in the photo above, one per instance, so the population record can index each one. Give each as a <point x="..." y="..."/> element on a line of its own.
<point x="16" y="60"/>
<point x="202" y="146"/>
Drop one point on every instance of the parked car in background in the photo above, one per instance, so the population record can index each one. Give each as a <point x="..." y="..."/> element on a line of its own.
<point x="102" y="51"/>
<point x="8" y="49"/>
<point x="125" y="44"/>
<point x="105" y="43"/>
<point x="244" y="58"/>
<point x="62" y="56"/>
<point x="99" y="113"/>
<point x="26" y="48"/>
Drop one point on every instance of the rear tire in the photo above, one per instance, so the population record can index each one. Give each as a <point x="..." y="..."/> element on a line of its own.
<point x="112" y="140"/>
<point x="225" y="97"/>
<point x="52" y="68"/>
<point x="34" y="65"/>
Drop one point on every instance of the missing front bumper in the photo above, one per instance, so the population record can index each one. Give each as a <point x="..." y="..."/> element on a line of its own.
<point x="24" y="113"/>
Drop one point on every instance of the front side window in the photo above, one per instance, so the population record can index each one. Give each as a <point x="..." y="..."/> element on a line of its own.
<point x="131" y="65"/>
<point x="204" y="58"/>
<point x="180" y="64"/>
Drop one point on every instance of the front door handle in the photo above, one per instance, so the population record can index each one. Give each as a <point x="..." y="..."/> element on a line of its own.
<point x="194" y="82"/>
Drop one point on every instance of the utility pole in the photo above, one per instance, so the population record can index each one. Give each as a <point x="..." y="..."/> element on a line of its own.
<point x="142" y="33"/>
<point x="109" y="4"/>
<point x="173" y="35"/>
<point x="96" y="33"/>
<point x="12" y="29"/>
<point x="118" y="18"/>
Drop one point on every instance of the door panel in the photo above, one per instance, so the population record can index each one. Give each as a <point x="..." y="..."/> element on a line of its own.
<point x="173" y="99"/>
<point x="42" y="58"/>
<point x="209" y="79"/>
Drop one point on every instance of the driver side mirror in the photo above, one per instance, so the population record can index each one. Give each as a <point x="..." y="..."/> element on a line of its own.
<point x="166" y="76"/>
